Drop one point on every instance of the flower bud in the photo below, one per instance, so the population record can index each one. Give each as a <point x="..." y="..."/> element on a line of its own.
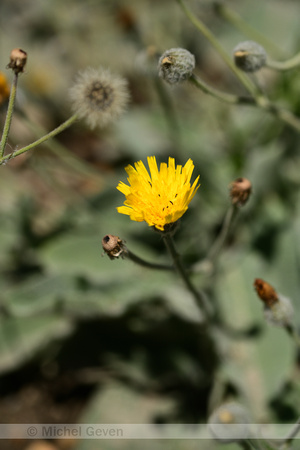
<point x="230" y="423"/>
<point x="18" y="60"/>
<point x="176" y="65"/>
<point x="113" y="246"/>
<point x="265" y="292"/>
<point x="278" y="310"/>
<point x="240" y="191"/>
<point x="249" y="56"/>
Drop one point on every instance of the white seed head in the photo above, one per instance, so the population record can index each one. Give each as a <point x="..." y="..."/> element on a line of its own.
<point x="99" y="97"/>
<point x="281" y="313"/>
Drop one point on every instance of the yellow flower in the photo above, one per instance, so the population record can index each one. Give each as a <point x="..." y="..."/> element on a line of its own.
<point x="161" y="197"/>
<point x="4" y="88"/>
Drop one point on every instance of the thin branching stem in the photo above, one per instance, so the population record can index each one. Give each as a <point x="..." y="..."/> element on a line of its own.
<point x="289" y="64"/>
<point x="238" y="22"/>
<point x="142" y="262"/>
<point x="34" y="144"/>
<point x="169" y="111"/>
<point x="198" y="296"/>
<point x="208" y="263"/>
<point x="63" y="153"/>
<point x="223" y="235"/>
<point x="259" y="98"/>
<point x="291" y="436"/>
<point x="220" y="95"/>
<point x="9" y="114"/>
<point x="247" y="83"/>
<point x="294" y="334"/>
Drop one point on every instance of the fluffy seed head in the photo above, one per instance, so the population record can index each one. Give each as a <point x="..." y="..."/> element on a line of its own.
<point x="176" y="65"/>
<point x="249" y="56"/>
<point x="99" y="97"/>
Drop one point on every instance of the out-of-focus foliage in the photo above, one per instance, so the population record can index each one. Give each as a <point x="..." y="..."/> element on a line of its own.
<point x="128" y="335"/>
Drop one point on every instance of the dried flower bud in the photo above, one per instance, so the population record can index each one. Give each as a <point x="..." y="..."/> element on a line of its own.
<point x="113" y="246"/>
<point x="265" y="292"/>
<point x="18" y="60"/>
<point x="176" y="65"/>
<point x="249" y="56"/>
<point x="240" y="191"/>
<point x="278" y="309"/>
<point x="230" y="423"/>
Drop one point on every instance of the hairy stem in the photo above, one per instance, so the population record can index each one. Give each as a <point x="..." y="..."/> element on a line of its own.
<point x="291" y="436"/>
<point x="141" y="262"/>
<point x="198" y="296"/>
<point x="289" y="64"/>
<point x="249" y="86"/>
<point x="9" y="114"/>
<point x="236" y="20"/>
<point x="223" y="96"/>
<point x="34" y="144"/>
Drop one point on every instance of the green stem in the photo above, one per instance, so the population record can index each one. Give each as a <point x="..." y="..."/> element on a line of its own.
<point x="293" y="333"/>
<point x="291" y="436"/>
<point x="260" y="444"/>
<point x="223" y="96"/>
<point x="207" y="264"/>
<point x="9" y="114"/>
<point x="289" y="64"/>
<point x="34" y="144"/>
<point x="69" y="158"/>
<point x="249" y="86"/>
<point x="169" y="111"/>
<point x="199" y="297"/>
<point x="280" y="113"/>
<point x="246" y="445"/>
<point x="235" y="19"/>
<point x="226" y="227"/>
<point x="260" y="100"/>
<point x="136" y="259"/>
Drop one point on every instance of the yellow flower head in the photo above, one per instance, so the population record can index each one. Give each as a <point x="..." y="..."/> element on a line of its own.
<point x="4" y="88"/>
<point x="158" y="198"/>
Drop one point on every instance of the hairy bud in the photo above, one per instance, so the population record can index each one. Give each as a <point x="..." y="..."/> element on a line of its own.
<point x="249" y="56"/>
<point x="176" y="65"/>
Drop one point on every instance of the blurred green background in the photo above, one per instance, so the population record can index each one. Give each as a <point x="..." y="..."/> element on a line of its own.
<point x="86" y="339"/>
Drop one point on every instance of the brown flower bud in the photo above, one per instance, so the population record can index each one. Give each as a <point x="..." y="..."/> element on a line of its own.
<point x="18" y="60"/>
<point x="265" y="292"/>
<point x="113" y="246"/>
<point x="240" y="191"/>
<point x="278" y="310"/>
